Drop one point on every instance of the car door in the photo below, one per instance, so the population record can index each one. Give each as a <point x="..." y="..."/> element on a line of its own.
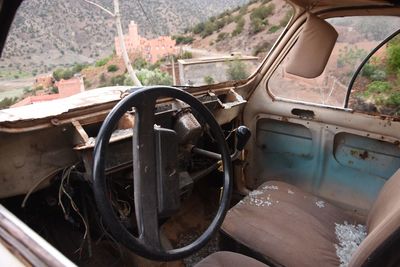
<point x="312" y="132"/>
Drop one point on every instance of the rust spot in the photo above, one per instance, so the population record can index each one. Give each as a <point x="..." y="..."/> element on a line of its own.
<point x="364" y="155"/>
<point x="285" y="119"/>
<point x="397" y="142"/>
<point x="354" y="152"/>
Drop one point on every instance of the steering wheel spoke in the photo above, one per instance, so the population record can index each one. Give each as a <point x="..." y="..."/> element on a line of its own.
<point x="144" y="172"/>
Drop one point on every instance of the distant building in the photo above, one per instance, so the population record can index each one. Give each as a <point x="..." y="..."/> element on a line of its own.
<point x="66" y="88"/>
<point x="193" y="71"/>
<point x="70" y="87"/>
<point x="151" y="49"/>
<point x="45" y="81"/>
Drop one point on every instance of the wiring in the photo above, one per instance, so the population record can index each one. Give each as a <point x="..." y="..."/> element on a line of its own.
<point x="62" y="191"/>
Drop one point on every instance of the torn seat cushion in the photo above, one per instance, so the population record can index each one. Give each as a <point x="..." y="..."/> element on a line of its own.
<point x="286" y="225"/>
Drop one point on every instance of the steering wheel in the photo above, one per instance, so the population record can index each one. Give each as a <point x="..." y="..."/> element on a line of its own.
<point x="148" y="243"/>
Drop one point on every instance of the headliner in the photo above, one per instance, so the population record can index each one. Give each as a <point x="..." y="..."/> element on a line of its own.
<point x="306" y="4"/>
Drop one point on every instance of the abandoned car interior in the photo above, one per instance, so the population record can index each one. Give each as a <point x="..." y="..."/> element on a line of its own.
<point x="294" y="164"/>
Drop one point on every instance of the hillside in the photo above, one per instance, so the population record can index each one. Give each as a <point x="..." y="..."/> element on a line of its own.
<point x="251" y="29"/>
<point x="50" y="33"/>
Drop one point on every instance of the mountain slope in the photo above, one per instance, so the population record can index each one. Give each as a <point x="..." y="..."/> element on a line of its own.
<point x="49" y="33"/>
<point x="251" y="29"/>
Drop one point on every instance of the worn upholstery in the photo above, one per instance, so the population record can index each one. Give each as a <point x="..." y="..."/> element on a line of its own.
<point x="229" y="259"/>
<point x="286" y="225"/>
<point x="313" y="48"/>
<point x="382" y="225"/>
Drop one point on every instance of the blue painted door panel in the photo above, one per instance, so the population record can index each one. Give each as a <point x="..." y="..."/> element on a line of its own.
<point x="345" y="168"/>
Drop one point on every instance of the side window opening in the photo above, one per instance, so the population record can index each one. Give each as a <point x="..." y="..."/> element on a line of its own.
<point x="357" y="36"/>
<point x="376" y="87"/>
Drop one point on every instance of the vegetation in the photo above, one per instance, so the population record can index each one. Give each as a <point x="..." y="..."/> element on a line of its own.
<point x="239" y="27"/>
<point x="8" y="102"/>
<point x="67" y="73"/>
<point x="182" y="39"/>
<point x="112" y="68"/>
<point x="350" y="56"/>
<point x="222" y="36"/>
<point x="154" y="77"/>
<point x="383" y="81"/>
<point x="258" y="18"/>
<point x="209" y="80"/>
<point x="393" y="55"/>
<point x="373" y="72"/>
<point x="237" y="70"/>
<point x="139" y="63"/>
<point x="274" y="29"/>
<point x="185" y="55"/>
<point x="103" y="61"/>
<point x="262" y="48"/>
<point x="61" y="73"/>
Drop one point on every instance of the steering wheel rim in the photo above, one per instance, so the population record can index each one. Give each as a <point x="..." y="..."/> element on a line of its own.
<point x="142" y="98"/>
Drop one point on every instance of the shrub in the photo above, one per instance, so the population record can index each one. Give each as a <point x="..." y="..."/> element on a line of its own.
<point x="262" y="12"/>
<point x="350" y="56"/>
<point x="7" y="102"/>
<point x="118" y="80"/>
<point x="222" y="36"/>
<point x="219" y="24"/>
<point x="209" y="80"/>
<point x="257" y="25"/>
<point x="112" y="68"/>
<point x="393" y="100"/>
<point x="261" y="48"/>
<point x="198" y="28"/>
<point x="102" y="62"/>
<point x="237" y="70"/>
<point x="378" y="75"/>
<point x="54" y="90"/>
<point x="181" y="39"/>
<point x="209" y="28"/>
<point x="239" y="27"/>
<point x="154" y="77"/>
<point x="65" y="74"/>
<point x="139" y="63"/>
<point x="274" y="29"/>
<point x="372" y="72"/>
<point x="378" y="87"/>
<point x="185" y="55"/>
<point x="393" y="55"/>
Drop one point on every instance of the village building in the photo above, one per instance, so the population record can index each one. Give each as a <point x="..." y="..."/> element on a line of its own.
<point x="151" y="49"/>
<point x="70" y="87"/>
<point x="45" y="81"/>
<point x="65" y="88"/>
